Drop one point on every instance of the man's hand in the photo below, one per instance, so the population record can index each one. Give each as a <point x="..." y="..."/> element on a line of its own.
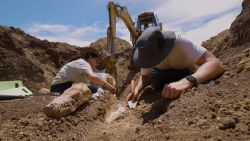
<point x="147" y="90"/>
<point x="144" y="80"/>
<point x="174" y="89"/>
<point x="133" y="97"/>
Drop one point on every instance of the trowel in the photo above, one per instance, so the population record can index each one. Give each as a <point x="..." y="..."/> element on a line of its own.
<point x="132" y="104"/>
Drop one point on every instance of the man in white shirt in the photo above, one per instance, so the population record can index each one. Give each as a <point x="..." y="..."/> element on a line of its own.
<point x="81" y="70"/>
<point x="169" y="63"/>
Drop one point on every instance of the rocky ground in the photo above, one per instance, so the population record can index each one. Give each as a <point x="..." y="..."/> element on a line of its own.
<point x="216" y="110"/>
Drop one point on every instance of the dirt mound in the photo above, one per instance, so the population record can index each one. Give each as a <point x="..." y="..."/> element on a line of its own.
<point x="120" y="45"/>
<point x="35" y="61"/>
<point x="216" y="110"/>
<point x="31" y="60"/>
<point x="240" y="28"/>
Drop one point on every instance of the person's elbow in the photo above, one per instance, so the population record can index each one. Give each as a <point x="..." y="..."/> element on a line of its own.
<point x="208" y="59"/>
<point x="219" y="66"/>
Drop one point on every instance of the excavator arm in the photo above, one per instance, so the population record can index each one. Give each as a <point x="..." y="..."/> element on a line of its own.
<point x="117" y="11"/>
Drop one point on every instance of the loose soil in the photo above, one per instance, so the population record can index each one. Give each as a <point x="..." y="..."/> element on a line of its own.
<point x="216" y="110"/>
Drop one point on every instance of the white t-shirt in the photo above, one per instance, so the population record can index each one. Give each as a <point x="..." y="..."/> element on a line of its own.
<point x="75" y="71"/>
<point x="183" y="55"/>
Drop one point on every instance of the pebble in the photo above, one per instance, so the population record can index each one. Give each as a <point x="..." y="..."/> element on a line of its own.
<point x="22" y="135"/>
<point x="190" y="123"/>
<point x="61" y="130"/>
<point x="15" y="118"/>
<point x="212" y="116"/>
<point x="24" y="123"/>
<point x="211" y="82"/>
<point x="227" y="124"/>
<point x="137" y="130"/>
<point x="217" y="139"/>
<point x="62" y="120"/>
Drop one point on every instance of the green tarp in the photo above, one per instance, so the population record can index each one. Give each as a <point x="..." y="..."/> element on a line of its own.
<point x="13" y="89"/>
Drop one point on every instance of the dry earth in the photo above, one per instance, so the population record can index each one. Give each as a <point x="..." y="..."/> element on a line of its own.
<point x="217" y="110"/>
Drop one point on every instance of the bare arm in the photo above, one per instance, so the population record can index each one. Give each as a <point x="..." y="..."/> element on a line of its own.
<point x="209" y="67"/>
<point x="96" y="80"/>
<point x="143" y="81"/>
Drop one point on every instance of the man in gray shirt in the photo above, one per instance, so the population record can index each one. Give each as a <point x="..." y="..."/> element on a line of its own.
<point x="170" y="63"/>
<point x="80" y="70"/>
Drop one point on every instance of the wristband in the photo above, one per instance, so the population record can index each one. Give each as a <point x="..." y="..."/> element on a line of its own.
<point x="192" y="79"/>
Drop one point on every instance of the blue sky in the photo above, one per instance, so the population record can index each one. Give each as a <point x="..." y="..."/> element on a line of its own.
<point x="80" y="22"/>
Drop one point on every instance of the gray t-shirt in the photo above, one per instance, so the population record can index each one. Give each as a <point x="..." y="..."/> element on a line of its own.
<point x="75" y="71"/>
<point x="183" y="55"/>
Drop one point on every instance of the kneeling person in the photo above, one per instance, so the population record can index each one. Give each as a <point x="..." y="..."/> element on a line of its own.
<point x="81" y="70"/>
